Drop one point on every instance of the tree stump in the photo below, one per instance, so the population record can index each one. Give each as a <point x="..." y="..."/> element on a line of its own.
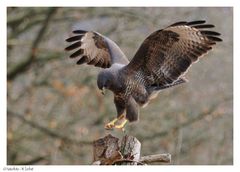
<point x="111" y="151"/>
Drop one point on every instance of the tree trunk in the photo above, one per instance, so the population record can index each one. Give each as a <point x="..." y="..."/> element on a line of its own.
<point x="111" y="151"/>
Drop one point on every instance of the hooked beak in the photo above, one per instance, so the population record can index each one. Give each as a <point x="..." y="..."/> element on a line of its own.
<point x="103" y="91"/>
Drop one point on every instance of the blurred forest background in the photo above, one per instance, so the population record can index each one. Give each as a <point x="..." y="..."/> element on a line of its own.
<point x="55" y="111"/>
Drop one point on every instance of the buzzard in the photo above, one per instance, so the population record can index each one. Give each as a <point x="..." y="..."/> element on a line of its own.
<point x="161" y="62"/>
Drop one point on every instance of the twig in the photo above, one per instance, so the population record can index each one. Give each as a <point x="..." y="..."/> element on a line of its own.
<point x="212" y="109"/>
<point x="46" y="130"/>
<point x="16" y="20"/>
<point x="31" y="162"/>
<point x="21" y="67"/>
<point x="156" y="158"/>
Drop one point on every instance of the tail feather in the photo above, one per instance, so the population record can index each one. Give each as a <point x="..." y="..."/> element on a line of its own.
<point x="154" y="90"/>
<point x="177" y="82"/>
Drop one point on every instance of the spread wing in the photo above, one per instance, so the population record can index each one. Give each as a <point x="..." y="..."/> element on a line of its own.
<point x="166" y="54"/>
<point x="95" y="49"/>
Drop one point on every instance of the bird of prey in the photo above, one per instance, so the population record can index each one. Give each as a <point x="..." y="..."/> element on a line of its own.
<point x="161" y="62"/>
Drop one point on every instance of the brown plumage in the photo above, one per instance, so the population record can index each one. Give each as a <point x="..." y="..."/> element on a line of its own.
<point x="161" y="62"/>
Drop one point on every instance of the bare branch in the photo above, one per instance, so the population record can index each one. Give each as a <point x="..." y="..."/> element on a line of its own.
<point x="201" y="116"/>
<point x="31" y="162"/>
<point x="156" y="158"/>
<point x="46" y="130"/>
<point x="21" y="67"/>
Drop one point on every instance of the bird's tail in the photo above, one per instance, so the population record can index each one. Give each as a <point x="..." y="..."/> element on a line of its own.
<point x="155" y="89"/>
<point x="177" y="82"/>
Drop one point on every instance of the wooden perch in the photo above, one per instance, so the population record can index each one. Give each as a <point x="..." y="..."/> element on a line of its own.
<point x="111" y="151"/>
<point x="156" y="158"/>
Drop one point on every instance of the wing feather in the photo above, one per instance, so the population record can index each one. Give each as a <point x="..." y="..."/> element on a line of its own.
<point x="73" y="46"/>
<point x="77" y="53"/>
<point x="195" y="22"/>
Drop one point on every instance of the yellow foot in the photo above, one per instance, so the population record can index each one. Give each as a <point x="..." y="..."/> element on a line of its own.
<point x="111" y="124"/>
<point x="121" y="125"/>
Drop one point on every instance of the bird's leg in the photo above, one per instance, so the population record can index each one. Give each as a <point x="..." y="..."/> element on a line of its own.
<point x="121" y="117"/>
<point x="111" y="124"/>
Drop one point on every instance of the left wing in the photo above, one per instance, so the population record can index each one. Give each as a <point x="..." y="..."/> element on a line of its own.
<point x="166" y="54"/>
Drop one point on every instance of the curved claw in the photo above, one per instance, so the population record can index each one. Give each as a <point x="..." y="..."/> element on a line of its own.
<point x="111" y="124"/>
<point x="121" y="125"/>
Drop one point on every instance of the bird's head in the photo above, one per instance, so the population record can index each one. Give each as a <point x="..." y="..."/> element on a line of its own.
<point x="105" y="80"/>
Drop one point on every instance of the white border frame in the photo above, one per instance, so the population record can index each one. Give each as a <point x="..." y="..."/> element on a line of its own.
<point x="133" y="3"/>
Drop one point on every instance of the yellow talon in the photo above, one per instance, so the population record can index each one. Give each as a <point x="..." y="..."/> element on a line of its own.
<point x="121" y="125"/>
<point x="112" y="125"/>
